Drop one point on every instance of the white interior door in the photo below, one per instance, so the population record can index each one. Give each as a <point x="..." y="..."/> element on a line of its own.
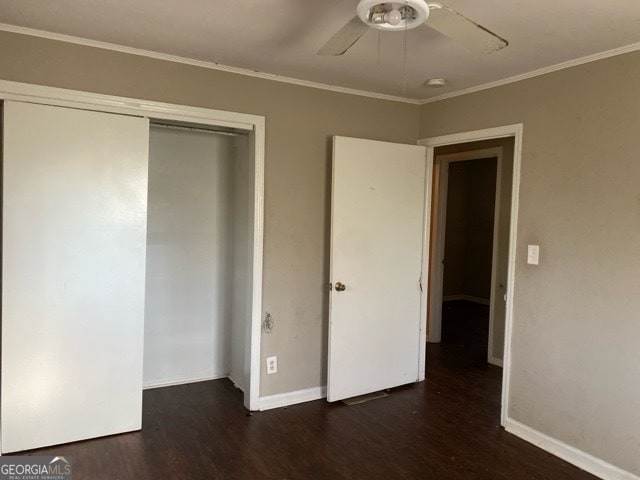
<point x="376" y="253"/>
<point x="73" y="274"/>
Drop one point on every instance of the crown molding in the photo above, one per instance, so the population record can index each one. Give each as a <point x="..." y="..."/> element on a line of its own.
<point x="536" y="73"/>
<point x="200" y="63"/>
<point x="306" y="83"/>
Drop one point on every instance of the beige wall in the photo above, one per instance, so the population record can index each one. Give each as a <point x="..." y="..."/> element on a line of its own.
<point x="576" y="331"/>
<point x="469" y="228"/>
<point x="299" y="124"/>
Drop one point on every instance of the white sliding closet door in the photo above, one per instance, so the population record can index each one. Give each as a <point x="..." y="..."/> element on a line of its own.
<point x="73" y="274"/>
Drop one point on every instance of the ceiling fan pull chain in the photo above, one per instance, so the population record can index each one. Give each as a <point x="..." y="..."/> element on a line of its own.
<point x="404" y="61"/>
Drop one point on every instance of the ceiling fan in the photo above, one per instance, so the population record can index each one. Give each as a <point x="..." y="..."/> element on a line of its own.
<point x="408" y="14"/>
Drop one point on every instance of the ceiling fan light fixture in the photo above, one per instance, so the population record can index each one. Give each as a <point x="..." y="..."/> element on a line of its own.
<point x="393" y="15"/>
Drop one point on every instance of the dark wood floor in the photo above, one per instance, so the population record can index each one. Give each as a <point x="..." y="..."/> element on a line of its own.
<point x="444" y="428"/>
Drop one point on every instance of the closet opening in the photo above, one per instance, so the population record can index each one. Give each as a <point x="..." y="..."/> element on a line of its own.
<point x="132" y="246"/>
<point x="199" y="255"/>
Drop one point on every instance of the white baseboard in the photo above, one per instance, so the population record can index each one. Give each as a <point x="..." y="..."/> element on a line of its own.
<point x="495" y="361"/>
<point x="467" y="298"/>
<point x="181" y="381"/>
<point x="291" y="398"/>
<point x="577" y="457"/>
<point x="236" y="384"/>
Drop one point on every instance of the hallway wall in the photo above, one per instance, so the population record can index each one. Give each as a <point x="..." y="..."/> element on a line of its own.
<point x="469" y="228"/>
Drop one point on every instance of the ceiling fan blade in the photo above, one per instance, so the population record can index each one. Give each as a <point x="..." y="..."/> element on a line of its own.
<point x="345" y="38"/>
<point x="456" y="26"/>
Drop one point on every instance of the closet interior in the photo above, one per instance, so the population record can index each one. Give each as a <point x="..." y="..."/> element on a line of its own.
<point x="198" y="251"/>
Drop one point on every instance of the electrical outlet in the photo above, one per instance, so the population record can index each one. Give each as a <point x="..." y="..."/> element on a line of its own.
<point x="272" y="365"/>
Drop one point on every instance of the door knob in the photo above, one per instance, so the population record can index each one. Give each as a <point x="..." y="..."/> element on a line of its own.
<point x="340" y="287"/>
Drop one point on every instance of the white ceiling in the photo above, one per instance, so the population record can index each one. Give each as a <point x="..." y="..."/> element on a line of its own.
<point x="282" y="36"/>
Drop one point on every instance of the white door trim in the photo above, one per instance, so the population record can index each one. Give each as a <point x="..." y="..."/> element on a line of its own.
<point x="253" y="124"/>
<point x="515" y="131"/>
<point x="426" y="258"/>
<point x="437" y="267"/>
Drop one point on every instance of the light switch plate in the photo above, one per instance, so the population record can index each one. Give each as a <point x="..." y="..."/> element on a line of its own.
<point x="533" y="254"/>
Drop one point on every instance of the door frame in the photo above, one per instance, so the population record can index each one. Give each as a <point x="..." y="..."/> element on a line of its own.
<point x="439" y="212"/>
<point x="516" y="131"/>
<point x="254" y="125"/>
